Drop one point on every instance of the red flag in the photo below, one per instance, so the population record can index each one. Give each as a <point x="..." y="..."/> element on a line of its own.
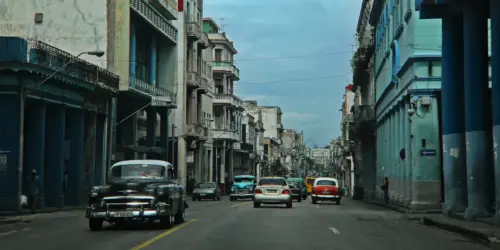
<point x="180" y="5"/>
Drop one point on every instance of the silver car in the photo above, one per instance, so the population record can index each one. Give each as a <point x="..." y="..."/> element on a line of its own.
<point x="206" y="190"/>
<point x="272" y="190"/>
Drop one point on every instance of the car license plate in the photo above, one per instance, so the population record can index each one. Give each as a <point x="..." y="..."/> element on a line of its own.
<point x="273" y="191"/>
<point x="123" y="214"/>
<point x="203" y="194"/>
<point x="326" y="192"/>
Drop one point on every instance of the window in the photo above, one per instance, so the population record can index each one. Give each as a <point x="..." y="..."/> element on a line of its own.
<point x="326" y="183"/>
<point x="206" y="185"/>
<point x="272" y="181"/>
<point x="395" y="61"/>
<point x="218" y="55"/>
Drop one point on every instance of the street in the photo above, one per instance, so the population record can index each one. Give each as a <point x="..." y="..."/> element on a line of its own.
<point x="237" y="225"/>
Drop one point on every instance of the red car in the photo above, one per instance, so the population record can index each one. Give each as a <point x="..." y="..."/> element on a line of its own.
<point x="326" y="189"/>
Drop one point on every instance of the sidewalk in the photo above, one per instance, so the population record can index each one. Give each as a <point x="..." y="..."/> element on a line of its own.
<point x="10" y="217"/>
<point x="482" y="230"/>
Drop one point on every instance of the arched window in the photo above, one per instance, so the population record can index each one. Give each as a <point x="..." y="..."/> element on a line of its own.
<point x="395" y="61"/>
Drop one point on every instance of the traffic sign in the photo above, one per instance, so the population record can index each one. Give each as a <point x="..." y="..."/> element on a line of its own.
<point x="160" y="101"/>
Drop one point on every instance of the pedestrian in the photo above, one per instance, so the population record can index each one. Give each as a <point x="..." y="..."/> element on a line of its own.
<point x="385" y="189"/>
<point x="34" y="189"/>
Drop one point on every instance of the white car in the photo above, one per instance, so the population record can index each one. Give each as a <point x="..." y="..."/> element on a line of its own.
<point x="272" y="190"/>
<point x="326" y="189"/>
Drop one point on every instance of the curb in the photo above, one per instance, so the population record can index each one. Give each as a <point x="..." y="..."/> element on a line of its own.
<point x="16" y="218"/>
<point x="475" y="235"/>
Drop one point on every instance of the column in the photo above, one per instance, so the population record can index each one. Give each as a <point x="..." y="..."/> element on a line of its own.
<point x="495" y="96"/>
<point x="408" y="154"/>
<point x="452" y="112"/>
<point x="100" y="151"/>
<point x="392" y="148"/>
<point x="34" y="146"/>
<point x="397" y="160"/>
<point x="133" y="43"/>
<point x="152" y="61"/>
<point x="231" y="162"/>
<point x="476" y="81"/>
<point x="75" y="165"/>
<point x="222" y="159"/>
<point x="402" y="168"/>
<point x="151" y="129"/>
<point x="53" y="184"/>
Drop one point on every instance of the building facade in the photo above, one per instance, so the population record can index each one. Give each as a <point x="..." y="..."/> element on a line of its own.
<point x="193" y="116"/>
<point x="407" y="102"/>
<point x="227" y="107"/>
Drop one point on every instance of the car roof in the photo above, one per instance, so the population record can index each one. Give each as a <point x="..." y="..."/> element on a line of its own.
<point x="137" y="162"/>
<point x="272" y="177"/>
<point x="326" y="179"/>
<point x="295" y="179"/>
<point x="244" y="176"/>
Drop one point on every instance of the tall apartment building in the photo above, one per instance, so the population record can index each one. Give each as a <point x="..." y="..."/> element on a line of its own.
<point x="227" y="107"/>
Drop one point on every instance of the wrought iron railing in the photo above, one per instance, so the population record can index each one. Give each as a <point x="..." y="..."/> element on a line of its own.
<point x="229" y="65"/>
<point x="364" y="113"/>
<point x="152" y="90"/>
<point x="51" y="57"/>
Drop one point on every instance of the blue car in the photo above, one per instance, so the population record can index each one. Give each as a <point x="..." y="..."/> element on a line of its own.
<point x="242" y="187"/>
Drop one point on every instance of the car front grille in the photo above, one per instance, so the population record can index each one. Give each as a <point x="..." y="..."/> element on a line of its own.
<point x="128" y="202"/>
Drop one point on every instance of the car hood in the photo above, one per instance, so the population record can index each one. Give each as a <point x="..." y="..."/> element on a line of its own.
<point x="243" y="184"/>
<point x="133" y="185"/>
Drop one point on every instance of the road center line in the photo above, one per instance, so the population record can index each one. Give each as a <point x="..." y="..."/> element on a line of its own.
<point x="8" y="233"/>
<point x="158" y="237"/>
<point x="239" y="204"/>
<point x="334" y="230"/>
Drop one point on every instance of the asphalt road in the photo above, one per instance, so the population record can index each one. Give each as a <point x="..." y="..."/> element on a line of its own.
<point x="216" y="225"/>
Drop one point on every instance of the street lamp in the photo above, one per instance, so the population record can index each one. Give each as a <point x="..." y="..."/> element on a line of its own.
<point x="98" y="53"/>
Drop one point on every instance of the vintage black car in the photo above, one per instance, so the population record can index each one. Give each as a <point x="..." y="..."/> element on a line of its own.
<point x="138" y="190"/>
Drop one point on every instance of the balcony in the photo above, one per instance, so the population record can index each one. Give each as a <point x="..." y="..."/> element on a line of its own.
<point x="146" y="88"/>
<point x="198" y="131"/>
<point x="203" y="85"/>
<point x="225" y="134"/>
<point x="205" y="42"/>
<point x="228" y="99"/>
<point x="193" y="30"/>
<point x="168" y="8"/>
<point x="155" y="18"/>
<point x="193" y="78"/>
<point x="363" y="121"/>
<point x="226" y="67"/>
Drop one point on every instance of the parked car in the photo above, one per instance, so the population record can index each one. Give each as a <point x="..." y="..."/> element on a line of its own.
<point x="272" y="190"/>
<point x="242" y="187"/>
<point x="326" y="189"/>
<point x="206" y="190"/>
<point x="138" y="190"/>
<point x="298" y="188"/>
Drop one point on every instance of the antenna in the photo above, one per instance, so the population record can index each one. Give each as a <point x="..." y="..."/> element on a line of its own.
<point x="222" y="25"/>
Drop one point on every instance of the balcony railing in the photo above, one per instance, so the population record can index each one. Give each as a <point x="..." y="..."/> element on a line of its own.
<point x="193" y="29"/>
<point x="227" y="99"/>
<point x="147" y="88"/>
<point x="53" y="58"/>
<point x="225" y="134"/>
<point x="364" y="113"/>
<point x="197" y="130"/>
<point x="226" y="66"/>
<point x="168" y="8"/>
<point x="155" y="18"/>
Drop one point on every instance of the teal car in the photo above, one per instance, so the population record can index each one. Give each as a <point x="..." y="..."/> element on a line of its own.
<point x="242" y="187"/>
<point x="298" y="187"/>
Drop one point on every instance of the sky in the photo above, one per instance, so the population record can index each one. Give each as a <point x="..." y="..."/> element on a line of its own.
<point x="294" y="54"/>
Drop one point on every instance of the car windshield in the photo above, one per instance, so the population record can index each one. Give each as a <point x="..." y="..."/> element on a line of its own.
<point x="274" y="181"/>
<point x="205" y="185"/>
<point x="294" y="183"/>
<point x="326" y="183"/>
<point x="243" y="179"/>
<point x="310" y="181"/>
<point x="138" y="171"/>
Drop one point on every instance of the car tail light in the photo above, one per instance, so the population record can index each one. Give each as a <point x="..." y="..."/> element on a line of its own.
<point x="314" y="190"/>
<point x="286" y="192"/>
<point x="258" y="191"/>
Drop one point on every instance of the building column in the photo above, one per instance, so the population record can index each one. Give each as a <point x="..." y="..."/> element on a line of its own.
<point x="151" y="120"/>
<point x="452" y="113"/>
<point x="495" y="97"/>
<point x="379" y="159"/>
<point x="152" y="61"/>
<point x="392" y="162"/>
<point x="402" y="168"/>
<point x="100" y="151"/>
<point x="478" y="148"/>
<point x="231" y="162"/>
<point x="408" y="155"/>
<point x="53" y="185"/>
<point x="34" y="146"/>
<point x="76" y="120"/>
<point x="133" y="43"/>
<point x="222" y="169"/>
<point x="129" y="134"/>
<point x="397" y="159"/>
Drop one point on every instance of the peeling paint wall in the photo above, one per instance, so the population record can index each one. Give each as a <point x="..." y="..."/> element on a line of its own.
<point x="74" y="26"/>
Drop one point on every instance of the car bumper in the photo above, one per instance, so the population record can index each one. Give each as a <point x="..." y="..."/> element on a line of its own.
<point x="272" y="199"/>
<point x="296" y="195"/>
<point x="204" y="196"/>
<point x="247" y="195"/>
<point x="98" y="213"/>
<point x="325" y="197"/>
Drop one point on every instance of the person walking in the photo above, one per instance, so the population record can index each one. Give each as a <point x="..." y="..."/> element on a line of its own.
<point x="34" y="190"/>
<point x="385" y="189"/>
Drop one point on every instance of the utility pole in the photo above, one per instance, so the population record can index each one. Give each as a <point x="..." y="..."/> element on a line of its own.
<point x="222" y="25"/>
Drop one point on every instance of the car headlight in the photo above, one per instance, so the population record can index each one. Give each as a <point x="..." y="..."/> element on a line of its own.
<point x="94" y="193"/>
<point x="103" y="203"/>
<point x="160" y="192"/>
<point x="232" y="189"/>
